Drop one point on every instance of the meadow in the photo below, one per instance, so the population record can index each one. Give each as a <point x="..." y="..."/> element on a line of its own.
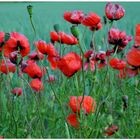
<point x="44" y="114"/>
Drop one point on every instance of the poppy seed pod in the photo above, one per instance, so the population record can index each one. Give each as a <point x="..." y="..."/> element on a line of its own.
<point x="56" y="27"/>
<point x="29" y="9"/>
<point x="75" y="31"/>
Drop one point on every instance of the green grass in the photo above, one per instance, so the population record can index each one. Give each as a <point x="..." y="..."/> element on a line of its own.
<point x="40" y="115"/>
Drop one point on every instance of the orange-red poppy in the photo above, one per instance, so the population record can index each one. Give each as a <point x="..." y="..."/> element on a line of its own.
<point x="17" y="42"/>
<point x="133" y="57"/>
<point x="33" y="70"/>
<point x="88" y="104"/>
<point x="73" y="121"/>
<point x="91" y="19"/>
<point x="63" y="38"/>
<point x="70" y="64"/>
<point x="7" y="66"/>
<point x="73" y="17"/>
<point x="36" y="84"/>
<point x="117" y="63"/>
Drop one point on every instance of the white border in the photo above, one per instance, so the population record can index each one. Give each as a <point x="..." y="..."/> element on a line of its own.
<point x="69" y="0"/>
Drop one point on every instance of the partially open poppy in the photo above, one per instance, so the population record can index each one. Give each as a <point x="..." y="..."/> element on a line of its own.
<point x="119" y="38"/>
<point x="88" y="104"/>
<point x="47" y="49"/>
<point x="133" y="57"/>
<point x="7" y="66"/>
<point x="91" y="19"/>
<point x="117" y="63"/>
<point x="63" y="38"/>
<point x="73" y="121"/>
<point x="137" y="36"/>
<point x="114" y="11"/>
<point x="17" y="42"/>
<point x="70" y="64"/>
<point x="32" y="69"/>
<point x="36" y="84"/>
<point x="73" y="17"/>
<point x="2" y="34"/>
<point x="17" y="91"/>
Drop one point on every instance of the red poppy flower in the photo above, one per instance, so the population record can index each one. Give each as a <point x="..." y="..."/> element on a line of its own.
<point x="53" y="61"/>
<point x="2" y="34"/>
<point x="88" y="104"/>
<point x="73" y="17"/>
<point x="111" y="130"/>
<point x="32" y="69"/>
<point x="73" y="121"/>
<point x="117" y="63"/>
<point x="36" y="55"/>
<point x="116" y="37"/>
<point x="7" y="66"/>
<point x="98" y="58"/>
<point x="17" y="42"/>
<point x="17" y="91"/>
<point x="130" y="72"/>
<point x="133" y="57"/>
<point x="137" y="36"/>
<point x="36" y="84"/>
<point x="91" y="19"/>
<point x="44" y="48"/>
<point x="70" y="64"/>
<point x="63" y="38"/>
<point x="97" y="27"/>
<point x="114" y="11"/>
<point x="138" y="30"/>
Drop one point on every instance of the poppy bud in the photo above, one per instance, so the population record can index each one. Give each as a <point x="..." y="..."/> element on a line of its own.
<point x="56" y="27"/>
<point x="6" y="37"/>
<point x="29" y="8"/>
<point x="125" y="101"/>
<point x="75" y="31"/>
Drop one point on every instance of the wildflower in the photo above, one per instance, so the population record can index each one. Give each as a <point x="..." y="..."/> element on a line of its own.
<point x="118" y="38"/>
<point x="133" y="57"/>
<point x="73" y="121"/>
<point x="32" y="69"/>
<point x="36" y="84"/>
<point x="2" y="34"/>
<point x="91" y="19"/>
<point x="17" y="91"/>
<point x="63" y="38"/>
<point x="88" y="104"/>
<point x="6" y="66"/>
<point x="117" y="63"/>
<point x="73" y="17"/>
<point x="69" y="64"/>
<point x="114" y="11"/>
<point x="137" y="36"/>
<point x="47" y="49"/>
<point x="16" y="42"/>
